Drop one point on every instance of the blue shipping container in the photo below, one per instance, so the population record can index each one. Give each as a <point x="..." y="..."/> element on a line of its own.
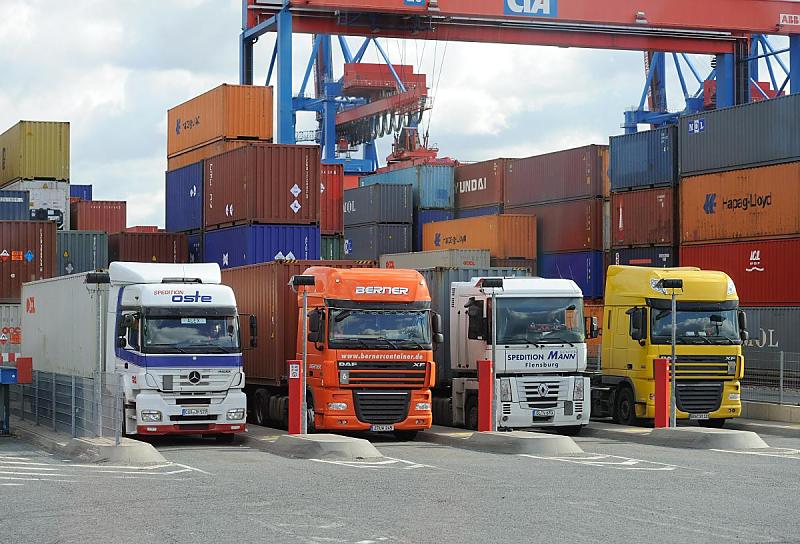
<point x="479" y="212"/>
<point x="14" y="206"/>
<point x="423" y="217"/>
<point x="195" y="248"/>
<point x="253" y="244"/>
<point x="586" y="268"/>
<point x="184" y="198"/>
<point x="84" y="192"/>
<point x="645" y="159"/>
<point x="433" y="185"/>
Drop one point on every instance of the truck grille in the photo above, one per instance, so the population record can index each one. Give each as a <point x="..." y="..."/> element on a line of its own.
<point x="698" y="398"/>
<point x="394" y="374"/>
<point x="208" y="380"/>
<point x="384" y="408"/>
<point x="539" y="394"/>
<point x="702" y="366"/>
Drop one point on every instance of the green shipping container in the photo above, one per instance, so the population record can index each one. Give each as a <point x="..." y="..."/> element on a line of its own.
<point x="332" y="248"/>
<point x="34" y="150"/>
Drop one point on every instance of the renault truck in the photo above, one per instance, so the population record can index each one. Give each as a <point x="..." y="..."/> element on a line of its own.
<point x="637" y="330"/>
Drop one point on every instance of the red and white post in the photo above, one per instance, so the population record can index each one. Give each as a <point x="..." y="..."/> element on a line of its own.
<point x="296" y="397"/>
<point x="485" y="395"/>
<point x="662" y="393"/>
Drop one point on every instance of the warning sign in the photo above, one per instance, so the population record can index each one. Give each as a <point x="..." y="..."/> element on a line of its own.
<point x="17" y="256"/>
<point x="294" y="371"/>
<point x="3" y="339"/>
<point x="4" y="255"/>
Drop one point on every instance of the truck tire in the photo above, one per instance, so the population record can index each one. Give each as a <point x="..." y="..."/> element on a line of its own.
<point x="713" y="423"/>
<point x="571" y="430"/>
<point x="471" y="413"/>
<point x="406" y="436"/>
<point x="625" y="407"/>
<point x="311" y="426"/>
<point x="261" y="412"/>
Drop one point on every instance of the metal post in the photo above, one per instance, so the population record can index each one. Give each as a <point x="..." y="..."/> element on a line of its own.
<point x="726" y="85"/>
<point x="53" y="400"/>
<point x="794" y="63"/>
<point x="783" y="362"/>
<point x="72" y="409"/>
<point x="285" y="121"/>
<point x="494" y="360"/>
<point x="303" y="403"/>
<point x="673" y="416"/>
<point x="117" y="411"/>
<point x="36" y="397"/>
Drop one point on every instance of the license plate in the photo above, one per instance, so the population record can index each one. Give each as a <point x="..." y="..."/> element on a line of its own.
<point x="544" y="413"/>
<point x="381" y="428"/>
<point x="698" y="416"/>
<point x="194" y="412"/>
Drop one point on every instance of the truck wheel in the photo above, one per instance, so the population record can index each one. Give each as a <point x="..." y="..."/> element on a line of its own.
<point x="625" y="410"/>
<point x="471" y="413"/>
<point x="406" y="436"/>
<point x="310" y="424"/>
<point x="713" y="423"/>
<point x="261" y="407"/>
<point x="571" y="430"/>
<point x="225" y="438"/>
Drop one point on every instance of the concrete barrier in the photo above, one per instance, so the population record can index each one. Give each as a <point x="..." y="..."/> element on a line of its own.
<point x="322" y="446"/>
<point x="512" y="443"/>
<point x="766" y="411"/>
<point x="680" y="437"/>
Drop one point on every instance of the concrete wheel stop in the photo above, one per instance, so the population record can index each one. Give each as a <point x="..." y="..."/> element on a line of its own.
<point x="512" y="443"/>
<point x="706" y="438"/>
<point x="323" y="446"/>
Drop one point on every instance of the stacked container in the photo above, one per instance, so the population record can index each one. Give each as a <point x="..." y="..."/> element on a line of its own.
<point x="109" y="216"/>
<point x="506" y="237"/>
<point x="148" y="247"/>
<point x="378" y="220"/>
<point x="479" y="188"/>
<point x="80" y="251"/>
<point x="331" y="216"/>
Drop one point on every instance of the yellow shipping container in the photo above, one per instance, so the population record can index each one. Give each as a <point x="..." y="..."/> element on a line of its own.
<point x="229" y="111"/>
<point x="34" y="150"/>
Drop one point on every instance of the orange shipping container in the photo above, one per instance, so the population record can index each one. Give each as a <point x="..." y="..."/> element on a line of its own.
<point x="505" y="236"/>
<point x="229" y="111"/>
<point x="204" y="152"/>
<point x="742" y="204"/>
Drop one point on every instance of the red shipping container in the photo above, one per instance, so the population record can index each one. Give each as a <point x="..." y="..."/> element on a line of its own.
<point x="331" y="187"/>
<point x="27" y="253"/>
<point x="351" y="182"/>
<point x="148" y="247"/>
<point x="263" y="183"/>
<point x="576" y="225"/>
<point x="142" y="228"/>
<point x="481" y="184"/>
<point x="763" y="271"/>
<point x="641" y="218"/>
<point x="105" y="215"/>
<point x="554" y="177"/>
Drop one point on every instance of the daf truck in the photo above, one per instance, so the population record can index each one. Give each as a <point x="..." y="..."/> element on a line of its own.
<point x="169" y="333"/>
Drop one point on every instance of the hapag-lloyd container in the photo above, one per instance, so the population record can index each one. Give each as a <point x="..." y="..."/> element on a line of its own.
<point x="263" y="290"/>
<point x="380" y="203"/>
<point x="106" y="215"/>
<point x="576" y="225"/>
<point x="586" y="268"/>
<point x="204" y="152"/>
<point x="14" y="206"/>
<point x="643" y="217"/>
<point x="84" y="192"/>
<point x="253" y="244"/>
<point x="433" y="185"/>
<point x="11" y="327"/>
<point x="654" y="257"/>
<point x="263" y="183"/>
<point x="448" y="258"/>
<point x="34" y="150"/>
<point x="80" y="251"/>
<point x="765" y="272"/>
<point x="195" y="242"/>
<point x="424" y="217"/>
<point x="480" y="184"/>
<point x="27" y="253"/>
<point x="148" y="247"/>
<point x="370" y="241"/>
<point x="713" y="141"/>
<point x="184" y="198"/>
<point x="47" y="201"/>
<point x="554" y="177"/>
<point x="331" y="190"/>
<point x="227" y="111"/>
<point x="645" y="159"/>
<point x="479" y="212"/>
<point x="741" y="204"/>
<point x="505" y="236"/>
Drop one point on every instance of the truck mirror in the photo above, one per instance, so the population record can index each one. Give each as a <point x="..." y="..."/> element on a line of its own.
<point x="436" y="322"/>
<point x="314" y="320"/>
<point x="129" y="320"/>
<point x="593" y="331"/>
<point x="121" y="342"/>
<point x="438" y="338"/>
<point x="253" y="331"/>
<point x="638" y="329"/>
<point x="476" y="325"/>
<point x="743" y="332"/>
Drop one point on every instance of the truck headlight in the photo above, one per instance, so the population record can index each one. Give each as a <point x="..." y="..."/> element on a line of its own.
<point x="344" y="377"/>
<point x="577" y="393"/>
<point x="505" y="390"/>
<point x="235" y="414"/>
<point x="150" y="416"/>
<point x="337" y="406"/>
<point x="731" y="368"/>
<point x="424" y="406"/>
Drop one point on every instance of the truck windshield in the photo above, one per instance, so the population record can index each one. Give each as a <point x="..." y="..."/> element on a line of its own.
<point x="540" y="320"/>
<point x="380" y="329"/>
<point x="695" y="327"/>
<point x="186" y="334"/>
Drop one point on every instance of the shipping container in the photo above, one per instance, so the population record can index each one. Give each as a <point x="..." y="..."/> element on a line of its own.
<point x="82" y="192"/>
<point x="351" y="182"/>
<point x="479" y="212"/>
<point x="263" y="290"/>
<point x="81" y="251"/>
<point x="109" y="216"/>
<point x="594" y="308"/>
<point x="10" y="328"/>
<point x="331" y="188"/>
<point x="641" y="218"/>
<point x="424" y="217"/>
<point x="34" y="150"/>
<point x="253" y="244"/>
<point x="644" y="159"/>
<point x="576" y="225"/>
<point x="439" y="281"/>
<point x="14" y="206"/>
<point x="332" y="247"/>
<point x="773" y="329"/>
<point x="523" y="264"/>
<point x="447" y="258"/>
<point x="370" y="241"/>
<point x="380" y="203"/>
<point x="195" y="243"/>
<point x="505" y="236"/>
<point x="741" y="204"/>
<point x="184" y="198"/>
<point x="586" y="268"/>
<point x="433" y="185"/>
<point x="564" y="175"/>
<point x="148" y="247"/>
<point x="228" y="111"/>
<point x="142" y="229"/>
<point x="263" y="183"/>
<point x="47" y="201"/>
<point x="480" y="184"/>
<point x="27" y="253"/>
<point x="764" y="271"/>
<point x="654" y="257"/>
<point x="743" y="136"/>
<point x="204" y="152"/>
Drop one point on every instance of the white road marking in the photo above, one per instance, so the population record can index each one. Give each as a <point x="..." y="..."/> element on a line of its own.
<point x="11" y="485"/>
<point x="386" y="462"/>
<point x="784" y="453"/>
<point x="610" y="461"/>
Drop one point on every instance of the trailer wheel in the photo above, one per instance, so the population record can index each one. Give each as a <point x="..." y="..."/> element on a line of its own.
<point x="713" y="423"/>
<point x="261" y="407"/>
<point x="625" y="409"/>
<point x="471" y="413"/>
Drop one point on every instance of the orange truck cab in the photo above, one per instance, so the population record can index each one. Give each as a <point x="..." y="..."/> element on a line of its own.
<point x="371" y="334"/>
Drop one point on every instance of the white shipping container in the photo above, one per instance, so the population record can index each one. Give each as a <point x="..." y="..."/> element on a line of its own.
<point x="52" y="196"/>
<point x="447" y="258"/>
<point x="71" y="313"/>
<point x="10" y="328"/>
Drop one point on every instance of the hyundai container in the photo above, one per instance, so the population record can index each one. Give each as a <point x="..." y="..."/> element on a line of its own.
<point x="370" y="241"/>
<point x="47" y="201"/>
<point x="184" y="198"/>
<point x="652" y="256"/>
<point x="433" y="185"/>
<point x="204" y="152"/>
<point x="505" y="236"/>
<point x="331" y="247"/>
<point x="109" y="216"/>
<point x="643" y="217"/>
<point x="27" y="253"/>
<point x="331" y="188"/>
<point x="425" y="217"/>
<point x="81" y="251"/>
<point x="252" y="244"/>
<point x="644" y="159"/>
<point x="148" y="247"/>
<point x="82" y="192"/>
<point x="10" y="328"/>
<point x="447" y="258"/>
<point x="380" y="203"/>
<point x="14" y="206"/>
<point x="586" y="268"/>
<point x="34" y="150"/>
<point x="464" y="213"/>
<point x="576" y="225"/>
<point x="481" y="184"/>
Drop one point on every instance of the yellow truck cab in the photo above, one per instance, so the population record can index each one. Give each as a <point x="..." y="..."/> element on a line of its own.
<point x="637" y="329"/>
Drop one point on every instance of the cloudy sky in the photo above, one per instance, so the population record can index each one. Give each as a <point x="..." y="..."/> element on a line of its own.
<point x="114" y="68"/>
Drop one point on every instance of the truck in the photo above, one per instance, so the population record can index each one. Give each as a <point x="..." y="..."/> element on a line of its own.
<point x="168" y="332"/>
<point x="638" y="329"/>
<point x="370" y="340"/>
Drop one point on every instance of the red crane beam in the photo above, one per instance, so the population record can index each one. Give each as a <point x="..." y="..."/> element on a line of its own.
<point x="401" y="103"/>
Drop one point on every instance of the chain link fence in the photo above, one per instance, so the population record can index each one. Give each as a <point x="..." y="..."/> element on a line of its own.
<point x="81" y="407"/>
<point x="772" y="377"/>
